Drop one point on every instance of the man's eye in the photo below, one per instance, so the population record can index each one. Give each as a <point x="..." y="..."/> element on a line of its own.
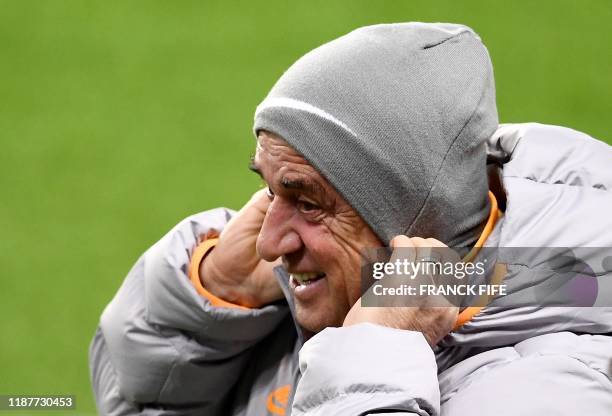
<point x="307" y="207"/>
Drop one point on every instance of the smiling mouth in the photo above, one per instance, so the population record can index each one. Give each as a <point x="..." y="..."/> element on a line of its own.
<point x="304" y="279"/>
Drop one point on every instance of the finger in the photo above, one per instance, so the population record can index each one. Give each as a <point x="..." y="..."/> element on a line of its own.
<point x="446" y="259"/>
<point x="432" y="242"/>
<point x="426" y="262"/>
<point x="403" y="248"/>
<point x="259" y="200"/>
<point x="425" y="256"/>
<point x="401" y="241"/>
<point x="430" y="257"/>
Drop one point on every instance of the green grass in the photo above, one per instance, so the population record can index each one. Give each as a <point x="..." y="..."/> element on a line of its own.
<point x="118" y="119"/>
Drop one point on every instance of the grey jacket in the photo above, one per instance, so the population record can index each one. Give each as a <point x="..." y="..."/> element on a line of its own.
<point x="162" y="349"/>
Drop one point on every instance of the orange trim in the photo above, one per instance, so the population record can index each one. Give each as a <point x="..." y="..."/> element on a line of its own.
<point x="278" y="400"/>
<point x="486" y="232"/>
<point x="198" y="255"/>
<point x="499" y="271"/>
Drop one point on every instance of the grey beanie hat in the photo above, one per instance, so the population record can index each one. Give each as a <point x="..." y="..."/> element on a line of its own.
<point x="395" y="117"/>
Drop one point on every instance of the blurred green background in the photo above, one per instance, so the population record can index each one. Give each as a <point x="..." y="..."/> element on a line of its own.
<point x="118" y="119"/>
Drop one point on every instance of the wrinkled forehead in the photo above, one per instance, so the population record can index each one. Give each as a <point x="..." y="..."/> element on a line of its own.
<point x="278" y="162"/>
<point x="273" y="152"/>
<point x="270" y="144"/>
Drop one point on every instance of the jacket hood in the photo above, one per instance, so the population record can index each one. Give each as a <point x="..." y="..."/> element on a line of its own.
<point x="395" y="116"/>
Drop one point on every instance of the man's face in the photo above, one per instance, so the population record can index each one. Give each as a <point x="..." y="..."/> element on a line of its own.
<point x="316" y="232"/>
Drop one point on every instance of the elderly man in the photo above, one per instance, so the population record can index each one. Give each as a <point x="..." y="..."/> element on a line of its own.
<point x="377" y="139"/>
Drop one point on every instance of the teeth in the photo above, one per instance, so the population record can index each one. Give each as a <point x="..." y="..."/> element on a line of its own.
<point x="305" y="278"/>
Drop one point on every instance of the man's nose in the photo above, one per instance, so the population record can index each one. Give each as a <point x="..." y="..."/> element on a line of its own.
<point x="277" y="236"/>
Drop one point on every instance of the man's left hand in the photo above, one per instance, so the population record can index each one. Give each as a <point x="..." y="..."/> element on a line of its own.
<point x="434" y="322"/>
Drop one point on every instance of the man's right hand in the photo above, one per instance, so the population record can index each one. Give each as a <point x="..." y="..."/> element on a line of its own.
<point x="233" y="271"/>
